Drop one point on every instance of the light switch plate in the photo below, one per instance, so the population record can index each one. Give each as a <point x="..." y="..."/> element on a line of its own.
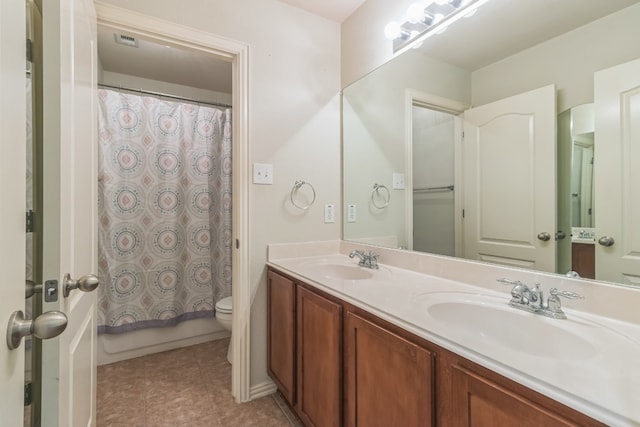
<point x="263" y="173"/>
<point x="329" y="214"/>
<point x="398" y="181"/>
<point x="351" y="213"/>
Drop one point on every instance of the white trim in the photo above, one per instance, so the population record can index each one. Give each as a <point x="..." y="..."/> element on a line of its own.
<point x="263" y="389"/>
<point x="434" y="102"/>
<point x="238" y="54"/>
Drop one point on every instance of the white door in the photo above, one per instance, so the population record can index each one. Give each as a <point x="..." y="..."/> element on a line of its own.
<point x="509" y="155"/>
<point x="617" y="173"/>
<point x="70" y="207"/>
<point x="12" y="201"/>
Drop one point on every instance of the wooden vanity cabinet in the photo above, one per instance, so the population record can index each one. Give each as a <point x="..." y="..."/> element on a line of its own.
<point x="389" y="380"/>
<point x="391" y="377"/>
<point x="281" y="334"/>
<point x="482" y="398"/>
<point x="583" y="259"/>
<point x="319" y="362"/>
<point x="304" y="350"/>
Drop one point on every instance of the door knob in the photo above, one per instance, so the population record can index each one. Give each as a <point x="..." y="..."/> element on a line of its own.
<point x="544" y="236"/>
<point x="86" y="283"/>
<point x="30" y="288"/>
<point x="606" y="241"/>
<point x="47" y="325"/>
<point x="560" y="235"/>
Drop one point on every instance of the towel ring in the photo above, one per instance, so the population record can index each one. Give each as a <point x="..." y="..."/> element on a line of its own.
<point x="376" y="190"/>
<point x="295" y="188"/>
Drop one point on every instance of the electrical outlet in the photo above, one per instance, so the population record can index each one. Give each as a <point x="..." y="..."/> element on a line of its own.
<point x="398" y="181"/>
<point x="262" y="173"/>
<point x="329" y="214"/>
<point x="351" y="213"/>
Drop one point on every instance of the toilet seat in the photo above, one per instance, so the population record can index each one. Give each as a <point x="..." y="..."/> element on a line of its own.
<point x="225" y="305"/>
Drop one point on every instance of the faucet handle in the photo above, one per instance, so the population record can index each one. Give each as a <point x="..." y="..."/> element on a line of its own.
<point x="505" y="281"/>
<point x="518" y="292"/>
<point x="554" y="307"/>
<point x="565" y="294"/>
<point x="373" y="259"/>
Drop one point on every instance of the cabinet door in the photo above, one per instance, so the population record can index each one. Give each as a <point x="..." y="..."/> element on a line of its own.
<point x="389" y="380"/>
<point x="281" y="299"/>
<point x="479" y="402"/>
<point x="583" y="259"/>
<point x="319" y="359"/>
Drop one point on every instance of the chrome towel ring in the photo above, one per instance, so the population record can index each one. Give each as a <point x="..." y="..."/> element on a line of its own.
<point x="375" y="194"/>
<point x="295" y="189"/>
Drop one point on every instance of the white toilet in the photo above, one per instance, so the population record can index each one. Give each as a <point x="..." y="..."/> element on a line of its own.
<point x="224" y="310"/>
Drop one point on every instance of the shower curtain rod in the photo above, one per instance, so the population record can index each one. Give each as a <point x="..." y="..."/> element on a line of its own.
<point x="164" y="95"/>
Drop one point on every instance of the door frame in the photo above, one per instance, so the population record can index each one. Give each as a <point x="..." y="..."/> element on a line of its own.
<point x="238" y="54"/>
<point x="426" y="100"/>
<point x="12" y="208"/>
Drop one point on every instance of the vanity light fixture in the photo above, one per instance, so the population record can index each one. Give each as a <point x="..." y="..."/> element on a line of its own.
<point x="427" y="17"/>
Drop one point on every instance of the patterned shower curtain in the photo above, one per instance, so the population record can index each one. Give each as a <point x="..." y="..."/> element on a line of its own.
<point x="164" y="211"/>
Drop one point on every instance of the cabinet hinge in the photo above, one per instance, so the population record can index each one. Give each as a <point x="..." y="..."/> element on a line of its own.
<point x="31" y="221"/>
<point x="29" y="50"/>
<point x="28" y="394"/>
<point x="463" y="213"/>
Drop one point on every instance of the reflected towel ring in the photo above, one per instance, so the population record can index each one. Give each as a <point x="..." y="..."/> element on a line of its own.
<point x="295" y="188"/>
<point x="376" y="190"/>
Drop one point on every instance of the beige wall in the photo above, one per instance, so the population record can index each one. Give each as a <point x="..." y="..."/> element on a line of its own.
<point x="294" y="114"/>
<point x="363" y="44"/>
<point x="569" y="61"/>
<point x="375" y="138"/>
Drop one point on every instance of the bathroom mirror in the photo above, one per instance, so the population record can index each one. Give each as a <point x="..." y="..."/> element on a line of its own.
<point x="470" y="65"/>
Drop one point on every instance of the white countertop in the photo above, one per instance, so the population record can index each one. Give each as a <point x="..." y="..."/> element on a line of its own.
<point x="602" y="382"/>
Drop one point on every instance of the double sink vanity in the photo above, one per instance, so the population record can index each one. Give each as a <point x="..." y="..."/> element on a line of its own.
<point x="429" y="340"/>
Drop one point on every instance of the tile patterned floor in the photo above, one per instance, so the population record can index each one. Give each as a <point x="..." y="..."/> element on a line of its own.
<point x="190" y="386"/>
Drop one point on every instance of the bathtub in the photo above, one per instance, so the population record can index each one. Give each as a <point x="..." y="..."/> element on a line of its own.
<point x="117" y="347"/>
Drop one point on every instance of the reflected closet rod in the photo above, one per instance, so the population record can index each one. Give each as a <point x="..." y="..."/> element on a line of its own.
<point x="164" y="95"/>
<point x="424" y="190"/>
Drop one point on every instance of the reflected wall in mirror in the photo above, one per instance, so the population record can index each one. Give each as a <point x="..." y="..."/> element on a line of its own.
<point x="383" y="112"/>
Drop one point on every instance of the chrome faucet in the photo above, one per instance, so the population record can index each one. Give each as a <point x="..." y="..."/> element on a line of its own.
<point x="532" y="300"/>
<point x="369" y="260"/>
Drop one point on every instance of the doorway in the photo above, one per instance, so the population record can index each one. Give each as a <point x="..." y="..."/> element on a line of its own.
<point x="433" y="139"/>
<point x="139" y="25"/>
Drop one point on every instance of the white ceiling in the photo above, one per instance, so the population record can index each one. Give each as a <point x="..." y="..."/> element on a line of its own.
<point x="335" y="10"/>
<point x="163" y="63"/>
<point x="500" y="28"/>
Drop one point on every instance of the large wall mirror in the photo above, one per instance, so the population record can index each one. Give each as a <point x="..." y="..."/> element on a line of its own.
<point x="483" y="142"/>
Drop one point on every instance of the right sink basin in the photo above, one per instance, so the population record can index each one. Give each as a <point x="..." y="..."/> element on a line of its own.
<point x="489" y="321"/>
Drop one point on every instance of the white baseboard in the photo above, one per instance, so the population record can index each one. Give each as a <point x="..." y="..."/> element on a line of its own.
<point x="263" y="389"/>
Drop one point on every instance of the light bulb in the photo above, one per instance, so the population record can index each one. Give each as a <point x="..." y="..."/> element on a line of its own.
<point x="392" y="30"/>
<point x="437" y="18"/>
<point x="415" y="12"/>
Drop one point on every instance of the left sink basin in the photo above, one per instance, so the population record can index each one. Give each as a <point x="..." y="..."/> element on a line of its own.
<point x="341" y="271"/>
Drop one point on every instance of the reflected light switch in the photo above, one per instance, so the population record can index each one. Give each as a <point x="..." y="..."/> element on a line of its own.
<point x="351" y="213"/>
<point x="398" y="181"/>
